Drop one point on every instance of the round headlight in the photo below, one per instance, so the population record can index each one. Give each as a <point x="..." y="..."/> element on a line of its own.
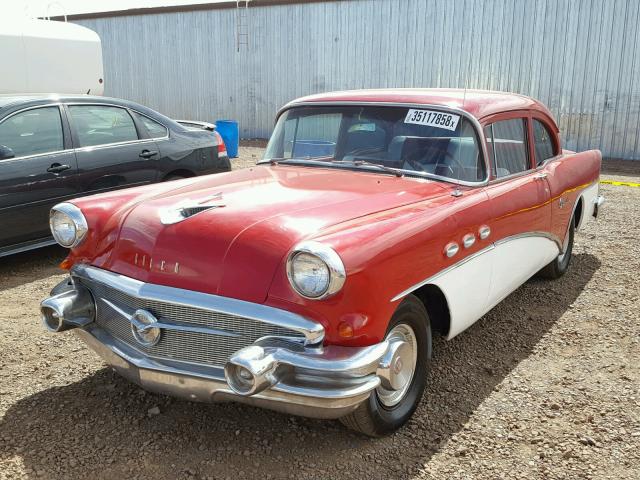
<point x="68" y="225"/>
<point x="315" y="270"/>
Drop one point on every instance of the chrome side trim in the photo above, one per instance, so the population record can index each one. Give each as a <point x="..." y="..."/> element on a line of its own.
<point x="106" y="104"/>
<point x="432" y="278"/>
<point x="25" y="247"/>
<point x="458" y="111"/>
<point x="313" y="331"/>
<point x="529" y="234"/>
<point x="441" y="273"/>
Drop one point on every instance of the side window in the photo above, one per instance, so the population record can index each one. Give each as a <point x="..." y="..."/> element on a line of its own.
<point x="155" y="129"/>
<point x="33" y="132"/>
<point x="509" y="145"/>
<point x="312" y="135"/>
<point x="542" y="142"/>
<point x="100" y="124"/>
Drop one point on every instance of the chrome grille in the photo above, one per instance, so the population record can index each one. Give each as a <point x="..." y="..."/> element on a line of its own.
<point x="203" y="348"/>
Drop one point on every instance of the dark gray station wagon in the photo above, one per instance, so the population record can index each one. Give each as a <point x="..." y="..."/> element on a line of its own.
<point x="54" y="148"/>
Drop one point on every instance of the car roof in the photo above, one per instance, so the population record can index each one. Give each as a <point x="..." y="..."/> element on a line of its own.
<point x="7" y="100"/>
<point x="10" y="103"/>
<point x="478" y="103"/>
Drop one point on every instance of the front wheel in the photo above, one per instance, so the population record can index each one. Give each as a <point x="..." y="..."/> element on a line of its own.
<point x="390" y="406"/>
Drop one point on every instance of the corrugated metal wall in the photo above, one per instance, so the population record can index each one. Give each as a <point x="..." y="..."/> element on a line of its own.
<point x="580" y="57"/>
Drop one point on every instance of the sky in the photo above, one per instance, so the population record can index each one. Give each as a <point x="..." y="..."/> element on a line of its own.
<point x="41" y="8"/>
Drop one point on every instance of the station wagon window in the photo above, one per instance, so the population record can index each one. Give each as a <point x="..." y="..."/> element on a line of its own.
<point x="416" y="140"/>
<point x="507" y="140"/>
<point x="33" y="132"/>
<point x="101" y="124"/>
<point x="542" y="142"/>
<point x="155" y="129"/>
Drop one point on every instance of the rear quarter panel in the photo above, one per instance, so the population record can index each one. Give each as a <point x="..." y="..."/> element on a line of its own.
<point x="571" y="177"/>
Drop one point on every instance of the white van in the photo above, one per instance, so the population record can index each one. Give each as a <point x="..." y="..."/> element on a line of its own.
<point x="42" y="56"/>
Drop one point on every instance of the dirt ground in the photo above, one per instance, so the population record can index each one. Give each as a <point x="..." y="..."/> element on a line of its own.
<point x="545" y="386"/>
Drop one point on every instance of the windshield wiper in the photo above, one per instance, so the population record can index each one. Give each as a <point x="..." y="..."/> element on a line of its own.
<point x="356" y="163"/>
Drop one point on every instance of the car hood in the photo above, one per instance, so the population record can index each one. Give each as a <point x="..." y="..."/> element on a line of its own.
<point x="257" y="215"/>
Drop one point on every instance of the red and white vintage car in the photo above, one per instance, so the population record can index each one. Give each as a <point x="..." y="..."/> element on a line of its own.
<point x="312" y="283"/>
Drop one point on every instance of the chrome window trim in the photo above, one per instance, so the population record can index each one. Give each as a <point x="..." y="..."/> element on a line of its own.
<point x="33" y="107"/>
<point x="468" y="258"/>
<point x="99" y="104"/>
<point x="154" y="121"/>
<point x="495" y="160"/>
<point x="458" y="111"/>
<point x="313" y="331"/>
<point x="114" y="144"/>
<point x="27" y="246"/>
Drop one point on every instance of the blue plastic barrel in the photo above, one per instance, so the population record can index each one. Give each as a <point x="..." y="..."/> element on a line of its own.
<point x="228" y="130"/>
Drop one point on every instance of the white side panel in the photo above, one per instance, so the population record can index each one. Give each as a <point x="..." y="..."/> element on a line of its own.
<point x="515" y="261"/>
<point x="476" y="286"/>
<point x="40" y="56"/>
<point x="589" y="196"/>
<point x="466" y="288"/>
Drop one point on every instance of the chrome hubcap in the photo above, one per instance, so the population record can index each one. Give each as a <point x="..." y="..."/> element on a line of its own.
<point x="401" y="366"/>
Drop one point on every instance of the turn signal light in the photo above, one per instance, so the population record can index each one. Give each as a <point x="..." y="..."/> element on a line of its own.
<point x="345" y="330"/>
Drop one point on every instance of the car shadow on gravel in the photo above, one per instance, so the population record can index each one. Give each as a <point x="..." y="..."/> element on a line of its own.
<point x="30" y="266"/>
<point x="102" y="426"/>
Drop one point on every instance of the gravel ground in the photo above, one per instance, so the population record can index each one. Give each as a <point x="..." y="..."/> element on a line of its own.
<point x="544" y="386"/>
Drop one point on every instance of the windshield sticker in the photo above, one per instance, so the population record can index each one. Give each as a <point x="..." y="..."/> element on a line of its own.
<point x="363" y="127"/>
<point x="431" y="118"/>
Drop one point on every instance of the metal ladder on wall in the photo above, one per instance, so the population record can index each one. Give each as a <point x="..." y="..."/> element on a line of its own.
<point x="242" y="24"/>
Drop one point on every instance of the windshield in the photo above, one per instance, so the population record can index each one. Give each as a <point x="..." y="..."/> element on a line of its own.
<point x="413" y="140"/>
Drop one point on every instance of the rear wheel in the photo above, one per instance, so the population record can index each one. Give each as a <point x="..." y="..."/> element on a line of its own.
<point x="560" y="264"/>
<point x="390" y="406"/>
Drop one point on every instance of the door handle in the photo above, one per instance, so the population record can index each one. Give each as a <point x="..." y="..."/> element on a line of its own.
<point x="147" y="153"/>
<point x="540" y="176"/>
<point x="57" y="168"/>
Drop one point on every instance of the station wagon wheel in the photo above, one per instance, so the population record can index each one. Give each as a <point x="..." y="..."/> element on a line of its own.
<point x="389" y="407"/>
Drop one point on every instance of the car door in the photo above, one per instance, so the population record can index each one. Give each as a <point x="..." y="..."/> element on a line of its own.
<point x="110" y="150"/>
<point x="520" y="204"/>
<point x="41" y="173"/>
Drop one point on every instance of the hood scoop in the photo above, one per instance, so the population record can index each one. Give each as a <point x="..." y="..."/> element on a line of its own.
<point x="188" y="209"/>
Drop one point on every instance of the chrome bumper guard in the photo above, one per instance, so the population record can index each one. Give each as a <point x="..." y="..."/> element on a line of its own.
<point x="308" y="380"/>
<point x="597" y="203"/>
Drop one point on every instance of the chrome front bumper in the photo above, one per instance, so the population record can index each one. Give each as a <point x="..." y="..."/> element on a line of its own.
<point x="297" y="378"/>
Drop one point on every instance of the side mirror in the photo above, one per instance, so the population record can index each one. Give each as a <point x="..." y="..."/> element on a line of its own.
<point x="6" y="152"/>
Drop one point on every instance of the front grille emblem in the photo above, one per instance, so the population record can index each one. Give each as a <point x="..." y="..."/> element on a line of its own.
<point x="143" y="329"/>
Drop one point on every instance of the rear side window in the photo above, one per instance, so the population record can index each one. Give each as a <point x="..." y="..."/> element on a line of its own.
<point x="508" y="140"/>
<point x="155" y="129"/>
<point x="33" y="132"/>
<point x="543" y="142"/>
<point x="101" y="125"/>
